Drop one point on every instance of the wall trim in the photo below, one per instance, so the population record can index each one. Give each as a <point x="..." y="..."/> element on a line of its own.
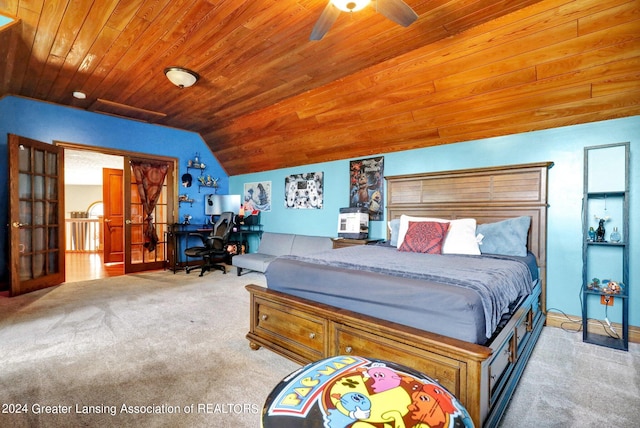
<point x="574" y="323"/>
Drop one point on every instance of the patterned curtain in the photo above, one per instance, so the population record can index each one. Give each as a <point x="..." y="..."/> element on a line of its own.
<point x="150" y="178"/>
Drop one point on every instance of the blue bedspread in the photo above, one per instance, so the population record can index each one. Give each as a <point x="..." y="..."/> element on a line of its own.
<point x="499" y="281"/>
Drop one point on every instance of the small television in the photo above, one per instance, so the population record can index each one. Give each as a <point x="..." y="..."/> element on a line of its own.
<point x="217" y="204"/>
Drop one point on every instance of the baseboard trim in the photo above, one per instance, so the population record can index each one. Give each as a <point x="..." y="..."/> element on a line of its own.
<point x="573" y="322"/>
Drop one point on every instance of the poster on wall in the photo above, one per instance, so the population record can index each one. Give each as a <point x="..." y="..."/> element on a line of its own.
<point x="304" y="191"/>
<point x="366" y="185"/>
<point x="257" y="196"/>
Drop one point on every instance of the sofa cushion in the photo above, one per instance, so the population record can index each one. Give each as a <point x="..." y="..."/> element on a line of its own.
<point x="276" y="244"/>
<point x="303" y="244"/>
<point x="273" y="245"/>
<point x="253" y="261"/>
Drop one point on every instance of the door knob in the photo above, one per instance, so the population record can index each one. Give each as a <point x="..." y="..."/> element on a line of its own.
<point x="127" y="221"/>
<point x="17" y="224"/>
<point x="107" y="220"/>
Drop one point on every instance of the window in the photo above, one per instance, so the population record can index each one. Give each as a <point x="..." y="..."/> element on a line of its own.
<point x="95" y="210"/>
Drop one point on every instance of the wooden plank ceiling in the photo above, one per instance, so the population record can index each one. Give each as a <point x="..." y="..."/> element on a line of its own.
<point x="269" y="98"/>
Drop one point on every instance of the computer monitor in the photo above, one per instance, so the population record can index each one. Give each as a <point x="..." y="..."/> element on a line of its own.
<point x="217" y="204"/>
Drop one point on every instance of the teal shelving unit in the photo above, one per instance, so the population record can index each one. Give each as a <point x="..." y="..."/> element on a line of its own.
<point x="606" y="200"/>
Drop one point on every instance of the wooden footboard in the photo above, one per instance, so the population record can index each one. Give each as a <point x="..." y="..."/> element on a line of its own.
<point x="483" y="378"/>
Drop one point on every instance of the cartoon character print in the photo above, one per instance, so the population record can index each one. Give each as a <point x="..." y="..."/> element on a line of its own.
<point x="375" y="204"/>
<point x="383" y="378"/>
<point x="362" y="190"/>
<point x="432" y="406"/>
<point x="353" y="407"/>
<point x="378" y="396"/>
<point x="366" y="186"/>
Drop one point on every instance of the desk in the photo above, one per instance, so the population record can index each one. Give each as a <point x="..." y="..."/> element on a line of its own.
<point x="241" y="230"/>
<point x="176" y="235"/>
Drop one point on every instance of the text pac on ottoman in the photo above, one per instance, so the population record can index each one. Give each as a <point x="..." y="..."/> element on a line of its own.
<point x="350" y="391"/>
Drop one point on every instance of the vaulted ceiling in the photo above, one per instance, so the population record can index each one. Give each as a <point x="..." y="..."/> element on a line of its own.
<point x="268" y="97"/>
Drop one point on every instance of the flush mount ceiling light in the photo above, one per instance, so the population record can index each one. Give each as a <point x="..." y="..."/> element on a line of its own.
<point x="181" y="77"/>
<point x="79" y="95"/>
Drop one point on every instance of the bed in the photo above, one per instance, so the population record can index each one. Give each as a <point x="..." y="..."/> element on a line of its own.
<point x="479" y="356"/>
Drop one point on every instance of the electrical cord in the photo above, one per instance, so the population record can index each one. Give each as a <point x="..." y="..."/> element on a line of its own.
<point x="569" y="321"/>
<point x="606" y="318"/>
<point x="608" y="328"/>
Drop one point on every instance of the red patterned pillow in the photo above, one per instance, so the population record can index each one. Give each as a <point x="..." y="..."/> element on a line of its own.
<point x="425" y="237"/>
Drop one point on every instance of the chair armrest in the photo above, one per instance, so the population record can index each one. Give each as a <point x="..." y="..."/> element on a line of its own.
<point x="216" y="243"/>
<point x="202" y="238"/>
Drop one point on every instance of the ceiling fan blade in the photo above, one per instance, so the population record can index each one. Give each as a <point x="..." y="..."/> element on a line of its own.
<point x="397" y="11"/>
<point x="326" y="20"/>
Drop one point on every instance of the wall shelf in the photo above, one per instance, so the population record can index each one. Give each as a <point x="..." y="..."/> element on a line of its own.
<point x="606" y="200"/>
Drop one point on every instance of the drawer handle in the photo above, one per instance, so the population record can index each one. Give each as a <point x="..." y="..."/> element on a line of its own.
<point x="312" y="335"/>
<point x="265" y="317"/>
<point x="348" y="349"/>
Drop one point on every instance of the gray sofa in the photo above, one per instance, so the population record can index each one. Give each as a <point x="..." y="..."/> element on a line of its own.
<point x="273" y="245"/>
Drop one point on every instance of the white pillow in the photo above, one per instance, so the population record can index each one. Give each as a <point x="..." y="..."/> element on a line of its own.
<point x="461" y="238"/>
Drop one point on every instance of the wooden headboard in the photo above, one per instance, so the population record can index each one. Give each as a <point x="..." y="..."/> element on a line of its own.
<point x="486" y="194"/>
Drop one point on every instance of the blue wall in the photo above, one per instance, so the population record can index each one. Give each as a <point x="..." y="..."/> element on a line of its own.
<point x="48" y="122"/>
<point x="564" y="146"/>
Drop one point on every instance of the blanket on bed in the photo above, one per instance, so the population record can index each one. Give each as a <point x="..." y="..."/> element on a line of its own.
<point x="498" y="280"/>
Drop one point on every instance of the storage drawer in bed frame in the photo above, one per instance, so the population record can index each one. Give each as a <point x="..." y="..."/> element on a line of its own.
<point x="347" y="340"/>
<point x="298" y="331"/>
<point x="482" y="377"/>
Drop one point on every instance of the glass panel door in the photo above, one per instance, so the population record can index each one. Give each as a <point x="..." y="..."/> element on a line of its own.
<point x="137" y="257"/>
<point x="35" y="183"/>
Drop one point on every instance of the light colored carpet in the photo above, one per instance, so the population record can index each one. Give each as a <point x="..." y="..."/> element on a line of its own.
<point x="568" y="383"/>
<point x="154" y="339"/>
<point x="175" y="345"/>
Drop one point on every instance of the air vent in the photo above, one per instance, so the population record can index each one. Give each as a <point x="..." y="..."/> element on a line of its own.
<point x="123" y="110"/>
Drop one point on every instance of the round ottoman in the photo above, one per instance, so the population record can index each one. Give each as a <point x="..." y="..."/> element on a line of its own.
<point x="351" y="391"/>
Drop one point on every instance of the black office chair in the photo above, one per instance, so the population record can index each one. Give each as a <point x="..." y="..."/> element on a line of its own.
<point x="213" y="250"/>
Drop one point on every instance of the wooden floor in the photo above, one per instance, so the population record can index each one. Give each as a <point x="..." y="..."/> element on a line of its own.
<point x="86" y="266"/>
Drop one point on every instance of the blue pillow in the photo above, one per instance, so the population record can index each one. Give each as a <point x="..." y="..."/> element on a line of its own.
<point x="507" y="237"/>
<point x="394" y="227"/>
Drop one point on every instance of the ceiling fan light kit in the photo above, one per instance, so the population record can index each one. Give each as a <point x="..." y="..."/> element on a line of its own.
<point x="395" y="10"/>
<point x="181" y="77"/>
<point x="350" y="5"/>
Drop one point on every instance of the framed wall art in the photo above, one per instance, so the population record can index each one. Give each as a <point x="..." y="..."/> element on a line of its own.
<point x="257" y="196"/>
<point x="367" y="185"/>
<point x="304" y="191"/>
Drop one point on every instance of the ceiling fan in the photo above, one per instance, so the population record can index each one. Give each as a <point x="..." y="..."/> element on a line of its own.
<point x="395" y="10"/>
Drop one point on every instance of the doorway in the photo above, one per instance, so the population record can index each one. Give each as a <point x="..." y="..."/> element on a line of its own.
<point x="84" y="215"/>
<point x="127" y="225"/>
<point x="38" y="212"/>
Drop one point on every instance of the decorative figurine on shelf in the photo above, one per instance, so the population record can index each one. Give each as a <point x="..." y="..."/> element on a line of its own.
<point x="594" y="285"/>
<point x="600" y="231"/>
<point x="187" y="219"/>
<point x="615" y="235"/>
<point x="592" y="234"/>
<point x="614" y="287"/>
